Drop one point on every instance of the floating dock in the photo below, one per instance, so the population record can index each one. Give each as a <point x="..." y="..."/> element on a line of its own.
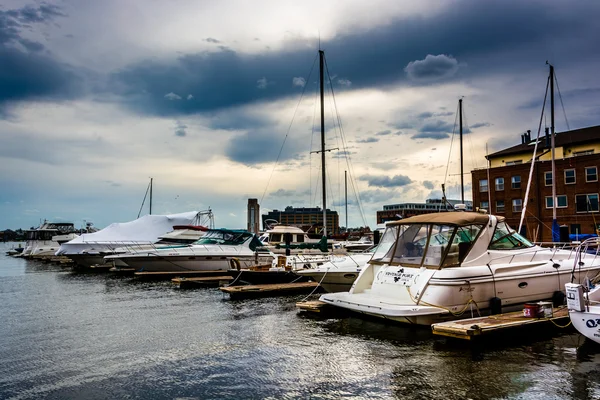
<point x="168" y="275"/>
<point x="472" y="328"/>
<point x="202" y="281"/>
<point x="315" y="306"/>
<point x="272" y="289"/>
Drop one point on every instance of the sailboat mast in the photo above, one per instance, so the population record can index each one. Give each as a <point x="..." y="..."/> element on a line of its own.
<point x="552" y="141"/>
<point x="321" y="68"/>
<point x="150" y="196"/>
<point x="462" y="175"/>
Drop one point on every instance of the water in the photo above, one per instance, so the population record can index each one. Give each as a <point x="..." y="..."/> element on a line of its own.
<point x="78" y="336"/>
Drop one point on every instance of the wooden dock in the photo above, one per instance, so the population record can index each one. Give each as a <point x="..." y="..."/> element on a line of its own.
<point x="168" y="275"/>
<point x="272" y="289"/>
<point x="202" y="281"/>
<point x="472" y="328"/>
<point x="313" y="306"/>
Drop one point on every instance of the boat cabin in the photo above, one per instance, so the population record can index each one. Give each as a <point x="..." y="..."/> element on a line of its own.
<point x="228" y="237"/>
<point x="445" y="239"/>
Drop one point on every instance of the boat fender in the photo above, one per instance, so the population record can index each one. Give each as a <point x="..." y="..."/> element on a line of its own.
<point x="496" y="305"/>
<point x="235" y="263"/>
<point x="558" y="298"/>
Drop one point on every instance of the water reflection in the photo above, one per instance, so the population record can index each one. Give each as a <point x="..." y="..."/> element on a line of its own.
<point x="70" y="335"/>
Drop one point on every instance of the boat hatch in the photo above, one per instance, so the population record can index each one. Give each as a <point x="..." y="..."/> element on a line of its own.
<point x="430" y="245"/>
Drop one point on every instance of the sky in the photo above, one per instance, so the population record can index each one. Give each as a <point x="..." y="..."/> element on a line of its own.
<point x="218" y="102"/>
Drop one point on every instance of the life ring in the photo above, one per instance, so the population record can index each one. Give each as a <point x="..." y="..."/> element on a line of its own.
<point x="234" y="263"/>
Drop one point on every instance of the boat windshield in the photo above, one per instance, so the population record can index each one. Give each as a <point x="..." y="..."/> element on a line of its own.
<point x="385" y="246"/>
<point x="224" y="237"/>
<point x="430" y="245"/>
<point x="506" y="238"/>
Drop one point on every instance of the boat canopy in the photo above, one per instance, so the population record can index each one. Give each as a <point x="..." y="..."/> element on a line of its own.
<point x="229" y="237"/>
<point x="442" y="240"/>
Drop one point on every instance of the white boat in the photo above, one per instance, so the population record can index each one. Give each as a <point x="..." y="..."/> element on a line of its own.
<point x="279" y="237"/>
<point x="363" y="243"/>
<point x="89" y="249"/>
<point x="212" y="252"/>
<point x="583" y="302"/>
<point x="436" y="267"/>
<point x="43" y="241"/>
<point x="339" y="273"/>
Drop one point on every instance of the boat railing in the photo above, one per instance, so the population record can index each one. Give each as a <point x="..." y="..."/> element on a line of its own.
<point x="574" y="253"/>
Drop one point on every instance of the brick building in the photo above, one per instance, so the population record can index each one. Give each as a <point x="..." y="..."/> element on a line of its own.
<point x="501" y="188"/>
<point x="304" y="218"/>
<point x="392" y="212"/>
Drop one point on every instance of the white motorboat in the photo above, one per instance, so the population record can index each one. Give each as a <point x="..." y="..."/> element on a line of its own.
<point x="280" y="237"/>
<point x="434" y="267"/>
<point x="212" y="252"/>
<point x="363" y="243"/>
<point x="583" y="301"/>
<point x="89" y="249"/>
<point x="43" y="241"/>
<point x="339" y="273"/>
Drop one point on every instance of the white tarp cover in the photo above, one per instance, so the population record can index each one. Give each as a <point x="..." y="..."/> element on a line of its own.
<point x="146" y="229"/>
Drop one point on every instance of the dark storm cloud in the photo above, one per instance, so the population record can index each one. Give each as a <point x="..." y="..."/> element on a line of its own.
<point x="431" y="135"/>
<point x="261" y="146"/>
<point x="383" y="133"/>
<point x="465" y="29"/>
<point x="432" y="68"/>
<point x="28" y="73"/>
<point x="212" y="40"/>
<point x="428" y="185"/>
<point x="368" y="140"/>
<point x="480" y="125"/>
<point x="180" y="129"/>
<point x="436" y="126"/>
<point x="385" y="181"/>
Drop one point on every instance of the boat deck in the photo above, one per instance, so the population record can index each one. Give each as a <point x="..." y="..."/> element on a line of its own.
<point x="167" y="275"/>
<point x="201" y="281"/>
<point x="469" y="329"/>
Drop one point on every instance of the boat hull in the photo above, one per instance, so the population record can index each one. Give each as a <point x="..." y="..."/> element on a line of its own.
<point x="587" y="322"/>
<point x="190" y="262"/>
<point x="332" y="281"/>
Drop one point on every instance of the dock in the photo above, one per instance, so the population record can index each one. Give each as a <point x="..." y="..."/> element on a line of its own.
<point x="271" y="289"/>
<point x="314" y="306"/>
<point x="184" y="282"/>
<point x="168" y="275"/>
<point x="472" y="328"/>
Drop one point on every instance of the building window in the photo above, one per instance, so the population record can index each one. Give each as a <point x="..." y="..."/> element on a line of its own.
<point x="548" y="178"/>
<point x="586" y="202"/>
<point x="583" y="152"/>
<point x="591" y="174"/>
<point x="516" y="162"/>
<point x="499" y="206"/>
<point x="499" y="183"/>
<point x="483" y="185"/>
<point x="517" y="205"/>
<point x="484" y="205"/>
<point x="515" y="182"/>
<point x="575" y="229"/>
<point x="569" y="176"/>
<point x="561" y="201"/>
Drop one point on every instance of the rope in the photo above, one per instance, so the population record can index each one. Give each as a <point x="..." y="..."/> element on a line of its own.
<point x="318" y="286"/>
<point x="456" y="314"/>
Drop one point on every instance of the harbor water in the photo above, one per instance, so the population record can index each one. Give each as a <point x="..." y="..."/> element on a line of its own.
<point x="65" y="335"/>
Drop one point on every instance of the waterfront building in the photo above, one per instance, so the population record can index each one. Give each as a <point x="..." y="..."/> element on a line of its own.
<point x="304" y="217"/>
<point x="501" y="188"/>
<point x="394" y="212"/>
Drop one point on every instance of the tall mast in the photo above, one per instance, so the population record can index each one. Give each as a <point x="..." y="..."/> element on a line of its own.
<point x="150" y="196"/>
<point x="552" y="141"/>
<point x="462" y="175"/>
<point x="321" y="68"/>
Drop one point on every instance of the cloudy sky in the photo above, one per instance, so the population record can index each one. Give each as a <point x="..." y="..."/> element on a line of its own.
<point x="217" y="101"/>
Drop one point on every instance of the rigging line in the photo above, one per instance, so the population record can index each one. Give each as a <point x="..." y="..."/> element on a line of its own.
<point x="451" y="143"/>
<point x="537" y="139"/>
<point x="561" y="101"/>
<point x="288" y="132"/>
<point x="346" y="153"/>
<point x="143" y="201"/>
<point x="311" y="199"/>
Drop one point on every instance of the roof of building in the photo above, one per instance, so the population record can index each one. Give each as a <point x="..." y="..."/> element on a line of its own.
<point x="576" y="136"/>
